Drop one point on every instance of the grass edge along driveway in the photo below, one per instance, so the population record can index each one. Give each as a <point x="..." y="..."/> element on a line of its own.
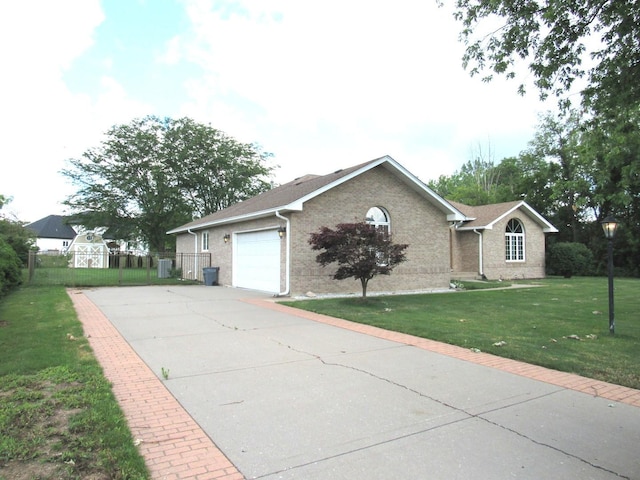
<point x="58" y="415"/>
<point x="562" y="324"/>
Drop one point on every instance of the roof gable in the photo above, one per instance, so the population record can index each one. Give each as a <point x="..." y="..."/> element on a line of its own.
<point x="484" y="217"/>
<point x="52" y="226"/>
<point x="291" y="196"/>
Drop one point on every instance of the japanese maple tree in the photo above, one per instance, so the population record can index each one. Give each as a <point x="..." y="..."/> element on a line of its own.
<point x="361" y="251"/>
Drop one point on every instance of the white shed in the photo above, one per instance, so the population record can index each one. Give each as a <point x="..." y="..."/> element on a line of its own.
<point x="89" y="250"/>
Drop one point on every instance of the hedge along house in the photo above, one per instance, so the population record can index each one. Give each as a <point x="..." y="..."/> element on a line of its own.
<point x="263" y="243"/>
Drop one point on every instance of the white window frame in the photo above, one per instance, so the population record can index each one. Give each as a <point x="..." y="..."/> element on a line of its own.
<point x="382" y="225"/>
<point x="205" y="241"/>
<point x="514" y="240"/>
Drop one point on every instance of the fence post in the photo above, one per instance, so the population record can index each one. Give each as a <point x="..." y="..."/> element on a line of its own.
<point x="32" y="264"/>
<point x="120" y="262"/>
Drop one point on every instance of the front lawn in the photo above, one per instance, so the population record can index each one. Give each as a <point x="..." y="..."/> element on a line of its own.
<point x="561" y="324"/>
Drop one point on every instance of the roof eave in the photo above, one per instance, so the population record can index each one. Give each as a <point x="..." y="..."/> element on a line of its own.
<point x="238" y="218"/>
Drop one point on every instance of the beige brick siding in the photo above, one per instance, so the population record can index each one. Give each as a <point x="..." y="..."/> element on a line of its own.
<point x="494" y="262"/>
<point x="465" y="246"/>
<point x="221" y="252"/>
<point x="436" y="251"/>
<point x="413" y="221"/>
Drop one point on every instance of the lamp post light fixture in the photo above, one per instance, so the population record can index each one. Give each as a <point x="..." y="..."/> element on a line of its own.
<point x="610" y="225"/>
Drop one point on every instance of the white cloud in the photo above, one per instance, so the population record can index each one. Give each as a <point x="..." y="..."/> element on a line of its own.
<point x="43" y="123"/>
<point x="329" y="83"/>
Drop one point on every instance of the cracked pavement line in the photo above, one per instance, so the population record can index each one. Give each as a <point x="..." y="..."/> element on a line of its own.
<point x="469" y="415"/>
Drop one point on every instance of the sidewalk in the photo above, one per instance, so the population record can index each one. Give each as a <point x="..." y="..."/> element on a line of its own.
<point x="175" y="446"/>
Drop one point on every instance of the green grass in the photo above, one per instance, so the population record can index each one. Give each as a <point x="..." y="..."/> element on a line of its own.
<point x="58" y="416"/>
<point x="104" y="277"/>
<point x="535" y="323"/>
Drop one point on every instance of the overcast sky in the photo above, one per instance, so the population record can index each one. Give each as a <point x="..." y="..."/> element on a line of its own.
<point x="321" y="85"/>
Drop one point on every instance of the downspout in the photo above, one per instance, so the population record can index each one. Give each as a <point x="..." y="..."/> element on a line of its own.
<point x="287" y="254"/>
<point x="195" y="250"/>
<point x="480" y="265"/>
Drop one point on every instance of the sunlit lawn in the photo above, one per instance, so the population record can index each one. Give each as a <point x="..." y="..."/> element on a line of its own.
<point x="536" y="324"/>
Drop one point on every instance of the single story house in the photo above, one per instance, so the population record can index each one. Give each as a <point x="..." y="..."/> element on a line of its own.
<point x="53" y="235"/>
<point x="263" y="243"/>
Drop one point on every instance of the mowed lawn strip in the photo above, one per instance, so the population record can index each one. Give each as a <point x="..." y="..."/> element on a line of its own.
<point x="561" y="324"/>
<point x="58" y="416"/>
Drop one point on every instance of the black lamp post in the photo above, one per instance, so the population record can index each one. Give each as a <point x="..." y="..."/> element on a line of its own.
<point x="610" y="225"/>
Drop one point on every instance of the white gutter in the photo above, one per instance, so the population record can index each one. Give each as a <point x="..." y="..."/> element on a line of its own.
<point x="288" y="253"/>
<point x="480" y="265"/>
<point x="195" y="249"/>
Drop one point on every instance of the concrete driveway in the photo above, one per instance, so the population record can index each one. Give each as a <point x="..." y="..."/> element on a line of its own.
<point x="284" y="396"/>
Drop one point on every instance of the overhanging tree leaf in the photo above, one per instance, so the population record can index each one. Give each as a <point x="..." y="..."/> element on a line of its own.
<point x="561" y="41"/>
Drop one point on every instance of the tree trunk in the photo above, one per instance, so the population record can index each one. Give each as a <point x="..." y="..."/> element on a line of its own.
<point x="364" y="282"/>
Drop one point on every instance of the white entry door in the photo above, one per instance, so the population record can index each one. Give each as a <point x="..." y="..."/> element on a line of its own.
<point x="256" y="260"/>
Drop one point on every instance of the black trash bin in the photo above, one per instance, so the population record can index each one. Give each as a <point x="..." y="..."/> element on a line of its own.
<point x="210" y="275"/>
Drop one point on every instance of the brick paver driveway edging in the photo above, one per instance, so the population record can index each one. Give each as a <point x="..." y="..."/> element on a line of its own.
<point x="172" y="443"/>
<point x="596" y="388"/>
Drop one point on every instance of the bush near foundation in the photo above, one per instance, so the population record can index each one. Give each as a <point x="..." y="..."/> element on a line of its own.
<point x="569" y="259"/>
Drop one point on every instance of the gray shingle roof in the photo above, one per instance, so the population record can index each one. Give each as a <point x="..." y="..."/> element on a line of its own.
<point x="484" y="216"/>
<point x="52" y="226"/>
<point x="272" y="199"/>
<point x="291" y="195"/>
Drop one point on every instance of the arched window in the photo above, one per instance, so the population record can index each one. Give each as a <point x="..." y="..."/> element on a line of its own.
<point x="379" y="218"/>
<point x="514" y="241"/>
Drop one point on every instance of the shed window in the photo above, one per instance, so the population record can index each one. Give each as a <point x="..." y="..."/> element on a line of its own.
<point x="514" y="241"/>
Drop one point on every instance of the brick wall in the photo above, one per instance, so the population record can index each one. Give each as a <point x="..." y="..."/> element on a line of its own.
<point x="413" y="221"/>
<point x="495" y="265"/>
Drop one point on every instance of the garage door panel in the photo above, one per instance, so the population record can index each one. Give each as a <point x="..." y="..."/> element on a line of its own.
<point x="257" y="261"/>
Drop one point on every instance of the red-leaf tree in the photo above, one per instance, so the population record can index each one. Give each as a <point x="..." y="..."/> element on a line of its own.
<point x="361" y="251"/>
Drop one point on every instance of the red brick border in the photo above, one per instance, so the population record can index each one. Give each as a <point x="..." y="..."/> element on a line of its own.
<point x="176" y="448"/>
<point x="172" y="443"/>
<point x="570" y="381"/>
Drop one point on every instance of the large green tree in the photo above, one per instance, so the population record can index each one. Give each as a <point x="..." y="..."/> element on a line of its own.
<point x="153" y="174"/>
<point x="561" y="41"/>
<point x="560" y="142"/>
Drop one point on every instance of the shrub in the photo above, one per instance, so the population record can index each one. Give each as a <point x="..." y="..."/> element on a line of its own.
<point x="568" y="259"/>
<point x="10" y="268"/>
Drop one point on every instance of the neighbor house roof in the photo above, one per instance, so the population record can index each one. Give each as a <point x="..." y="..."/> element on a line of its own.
<point x="292" y="196"/>
<point x="52" y="226"/>
<point x="484" y="217"/>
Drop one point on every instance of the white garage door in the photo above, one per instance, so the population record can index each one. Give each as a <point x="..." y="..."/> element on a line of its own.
<point x="257" y="261"/>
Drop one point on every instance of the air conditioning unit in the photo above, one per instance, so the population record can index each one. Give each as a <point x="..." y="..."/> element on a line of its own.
<point x="164" y="268"/>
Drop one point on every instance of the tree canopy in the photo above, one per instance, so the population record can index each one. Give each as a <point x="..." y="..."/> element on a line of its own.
<point x="576" y="171"/>
<point x="361" y="251"/>
<point x="154" y="174"/>
<point x="561" y="41"/>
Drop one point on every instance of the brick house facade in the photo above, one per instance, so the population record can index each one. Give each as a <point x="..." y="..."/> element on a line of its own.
<point x="250" y="251"/>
